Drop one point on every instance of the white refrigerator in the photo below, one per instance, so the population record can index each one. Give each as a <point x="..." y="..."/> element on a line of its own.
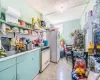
<point x="53" y="38"/>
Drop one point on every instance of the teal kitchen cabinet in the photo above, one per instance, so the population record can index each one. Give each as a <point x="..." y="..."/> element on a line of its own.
<point x="29" y="65"/>
<point x="8" y="69"/>
<point x="7" y="63"/>
<point x="8" y="74"/>
<point x="36" y="55"/>
<point x="22" y="67"/>
<point x="34" y="63"/>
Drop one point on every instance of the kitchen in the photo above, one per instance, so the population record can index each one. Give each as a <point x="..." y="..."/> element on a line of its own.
<point x="25" y="48"/>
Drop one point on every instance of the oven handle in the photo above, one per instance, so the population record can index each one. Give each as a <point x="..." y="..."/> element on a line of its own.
<point x="45" y="50"/>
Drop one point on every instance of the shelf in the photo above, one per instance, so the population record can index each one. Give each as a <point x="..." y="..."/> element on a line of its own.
<point x="3" y="21"/>
<point x="22" y="33"/>
<point x="14" y="25"/>
<point x="25" y="22"/>
<point x="18" y="33"/>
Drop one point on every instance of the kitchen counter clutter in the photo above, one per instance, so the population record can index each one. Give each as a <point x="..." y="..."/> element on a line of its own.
<point x="22" y="66"/>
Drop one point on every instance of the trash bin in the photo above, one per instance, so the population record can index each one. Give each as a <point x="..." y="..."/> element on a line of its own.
<point x="61" y="54"/>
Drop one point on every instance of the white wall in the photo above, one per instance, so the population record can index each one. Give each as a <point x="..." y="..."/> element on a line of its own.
<point x="89" y="7"/>
<point x="68" y="28"/>
<point x="27" y="12"/>
<point x="47" y="21"/>
<point x="66" y="15"/>
<point x="84" y="20"/>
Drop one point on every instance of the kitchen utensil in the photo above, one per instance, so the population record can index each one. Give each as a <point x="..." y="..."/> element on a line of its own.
<point x="25" y="31"/>
<point x="21" y="31"/>
<point x="41" y="44"/>
<point x="15" y="29"/>
<point x="30" y="46"/>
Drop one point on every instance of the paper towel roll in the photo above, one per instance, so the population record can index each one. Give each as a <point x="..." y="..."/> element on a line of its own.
<point x="12" y="15"/>
<point x="13" y="12"/>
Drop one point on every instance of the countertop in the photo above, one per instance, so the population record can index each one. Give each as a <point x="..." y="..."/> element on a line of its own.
<point x="45" y="47"/>
<point x="18" y="54"/>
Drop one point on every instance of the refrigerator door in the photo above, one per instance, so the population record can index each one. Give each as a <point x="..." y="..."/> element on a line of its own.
<point x="58" y="46"/>
<point x="58" y="53"/>
<point x="52" y="41"/>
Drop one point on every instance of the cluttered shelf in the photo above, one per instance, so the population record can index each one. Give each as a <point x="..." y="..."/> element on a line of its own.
<point x="14" y="25"/>
<point x="22" y="27"/>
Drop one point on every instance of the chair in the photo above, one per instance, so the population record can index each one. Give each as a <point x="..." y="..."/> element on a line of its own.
<point x="68" y="51"/>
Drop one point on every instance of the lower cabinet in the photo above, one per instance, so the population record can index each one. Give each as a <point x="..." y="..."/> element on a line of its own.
<point x="26" y="67"/>
<point x="8" y="74"/>
<point x="29" y="68"/>
<point x="22" y="71"/>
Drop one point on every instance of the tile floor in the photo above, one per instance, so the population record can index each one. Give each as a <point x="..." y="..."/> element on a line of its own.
<point x="60" y="71"/>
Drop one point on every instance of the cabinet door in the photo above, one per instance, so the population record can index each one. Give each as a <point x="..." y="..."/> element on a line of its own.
<point x="34" y="63"/>
<point x="37" y="61"/>
<point x="7" y="63"/>
<point x="8" y="74"/>
<point x="22" y="70"/>
<point x="29" y="68"/>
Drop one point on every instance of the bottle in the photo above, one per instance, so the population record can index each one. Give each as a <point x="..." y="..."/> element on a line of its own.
<point x="91" y="49"/>
<point x="98" y="48"/>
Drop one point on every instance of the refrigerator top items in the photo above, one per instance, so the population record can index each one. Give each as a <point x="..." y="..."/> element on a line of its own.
<point x="43" y="23"/>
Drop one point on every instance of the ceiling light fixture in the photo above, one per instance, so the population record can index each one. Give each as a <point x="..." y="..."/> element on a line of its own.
<point x="62" y="8"/>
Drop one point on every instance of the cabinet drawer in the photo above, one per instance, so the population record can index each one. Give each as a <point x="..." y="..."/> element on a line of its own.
<point x="7" y="63"/>
<point x="21" y="58"/>
<point x="34" y="54"/>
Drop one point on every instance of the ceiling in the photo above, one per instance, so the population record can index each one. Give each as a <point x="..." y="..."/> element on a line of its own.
<point x="51" y="9"/>
<point x="67" y="15"/>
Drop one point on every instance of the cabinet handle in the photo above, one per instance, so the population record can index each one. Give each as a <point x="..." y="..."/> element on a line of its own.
<point x="18" y="76"/>
<point x="32" y="58"/>
<point x="14" y="78"/>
